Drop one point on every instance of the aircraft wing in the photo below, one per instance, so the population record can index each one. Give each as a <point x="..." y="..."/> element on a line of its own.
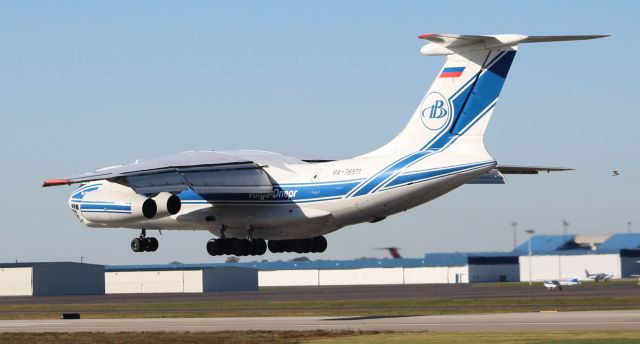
<point x="202" y="171"/>
<point x="496" y="175"/>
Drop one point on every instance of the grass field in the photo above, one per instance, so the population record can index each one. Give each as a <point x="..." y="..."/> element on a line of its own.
<point x="319" y="308"/>
<point x="325" y="337"/>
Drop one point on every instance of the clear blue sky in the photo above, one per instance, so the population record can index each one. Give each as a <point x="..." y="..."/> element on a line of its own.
<point x="86" y="84"/>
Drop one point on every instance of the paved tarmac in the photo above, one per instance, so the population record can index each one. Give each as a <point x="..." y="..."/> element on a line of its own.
<point x="565" y="321"/>
<point x="338" y="293"/>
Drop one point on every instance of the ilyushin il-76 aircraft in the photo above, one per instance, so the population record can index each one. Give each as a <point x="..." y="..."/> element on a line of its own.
<point x="246" y="198"/>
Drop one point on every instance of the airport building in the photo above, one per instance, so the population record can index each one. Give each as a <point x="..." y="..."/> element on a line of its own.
<point x="552" y="257"/>
<point x="568" y="256"/>
<point x="434" y="268"/>
<point x="53" y="278"/>
<point x="182" y="278"/>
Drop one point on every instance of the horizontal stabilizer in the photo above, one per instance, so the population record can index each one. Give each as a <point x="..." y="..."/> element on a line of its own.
<point x="447" y="44"/>
<point x="513" y="169"/>
<point x="495" y="176"/>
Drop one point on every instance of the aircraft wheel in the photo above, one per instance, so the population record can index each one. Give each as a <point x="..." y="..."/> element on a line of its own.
<point x="151" y="244"/>
<point x="319" y="244"/>
<point x="247" y="247"/>
<point x="274" y="246"/>
<point x="259" y="247"/>
<point x="239" y="247"/>
<point x="213" y="247"/>
<point x="299" y="246"/>
<point x="287" y="246"/>
<point x="138" y="244"/>
<point x="224" y="246"/>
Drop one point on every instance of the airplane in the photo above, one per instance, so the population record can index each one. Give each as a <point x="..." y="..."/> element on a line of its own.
<point x="600" y="276"/>
<point x="246" y="198"/>
<point x="558" y="284"/>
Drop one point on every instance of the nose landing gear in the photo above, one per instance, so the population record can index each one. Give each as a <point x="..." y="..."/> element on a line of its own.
<point x="144" y="243"/>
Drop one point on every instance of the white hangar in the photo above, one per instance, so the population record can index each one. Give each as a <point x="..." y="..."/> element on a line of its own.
<point x="568" y="256"/>
<point x="52" y="278"/>
<point x="180" y="278"/>
<point x="434" y="268"/>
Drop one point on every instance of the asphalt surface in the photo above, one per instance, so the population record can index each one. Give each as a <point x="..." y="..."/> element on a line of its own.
<point x="338" y="293"/>
<point x="569" y="321"/>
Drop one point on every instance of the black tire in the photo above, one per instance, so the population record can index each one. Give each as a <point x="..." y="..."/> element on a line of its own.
<point x="260" y="247"/>
<point x="213" y="247"/>
<point x="224" y="246"/>
<point x="137" y="245"/>
<point x="238" y="247"/>
<point x="319" y="244"/>
<point x="247" y="247"/>
<point x="151" y="244"/>
<point x="253" y="247"/>
<point x="299" y="246"/>
<point x="274" y="246"/>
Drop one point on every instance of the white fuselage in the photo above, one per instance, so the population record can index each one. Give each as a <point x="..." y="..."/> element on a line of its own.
<point x="309" y="199"/>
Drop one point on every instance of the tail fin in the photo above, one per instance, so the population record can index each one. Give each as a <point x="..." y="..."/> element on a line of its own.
<point x="462" y="97"/>
<point x="394" y="251"/>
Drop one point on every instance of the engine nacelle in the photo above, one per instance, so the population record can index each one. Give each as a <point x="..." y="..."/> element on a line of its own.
<point x="112" y="207"/>
<point x="168" y="204"/>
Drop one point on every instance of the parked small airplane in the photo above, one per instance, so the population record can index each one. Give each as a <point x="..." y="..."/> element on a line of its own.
<point x="247" y="197"/>
<point x="600" y="276"/>
<point x="558" y="284"/>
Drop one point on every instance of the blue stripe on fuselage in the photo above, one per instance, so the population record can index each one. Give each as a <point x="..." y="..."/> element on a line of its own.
<point x="417" y="176"/>
<point x="79" y="193"/>
<point x="280" y="193"/>
<point x="105" y="207"/>
<point x="393" y="169"/>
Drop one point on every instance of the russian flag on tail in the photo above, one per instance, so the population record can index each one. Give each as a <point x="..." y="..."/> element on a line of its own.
<point x="451" y="72"/>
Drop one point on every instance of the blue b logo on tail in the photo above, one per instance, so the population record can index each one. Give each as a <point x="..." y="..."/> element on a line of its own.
<point x="435" y="111"/>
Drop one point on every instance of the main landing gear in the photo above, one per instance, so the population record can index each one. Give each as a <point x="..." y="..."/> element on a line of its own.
<point x="311" y="245"/>
<point x="257" y="247"/>
<point x="236" y="247"/>
<point x="144" y="244"/>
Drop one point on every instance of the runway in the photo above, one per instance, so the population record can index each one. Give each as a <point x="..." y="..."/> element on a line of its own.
<point x="504" y="322"/>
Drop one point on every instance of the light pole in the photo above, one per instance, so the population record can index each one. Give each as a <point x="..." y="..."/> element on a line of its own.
<point x="565" y="227"/>
<point x="530" y="232"/>
<point x="629" y="227"/>
<point x="514" y="225"/>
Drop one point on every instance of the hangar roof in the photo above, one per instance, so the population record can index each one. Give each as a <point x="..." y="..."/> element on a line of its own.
<point x="431" y="260"/>
<point x="545" y="243"/>
<point x="580" y="244"/>
<point x="621" y="241"/>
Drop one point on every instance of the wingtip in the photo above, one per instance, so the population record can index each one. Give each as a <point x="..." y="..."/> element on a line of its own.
<point x="55" y="182"/>
<point x="425" y="35"/>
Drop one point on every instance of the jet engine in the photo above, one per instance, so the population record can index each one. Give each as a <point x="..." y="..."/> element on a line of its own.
<point x="168" y="204"/>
